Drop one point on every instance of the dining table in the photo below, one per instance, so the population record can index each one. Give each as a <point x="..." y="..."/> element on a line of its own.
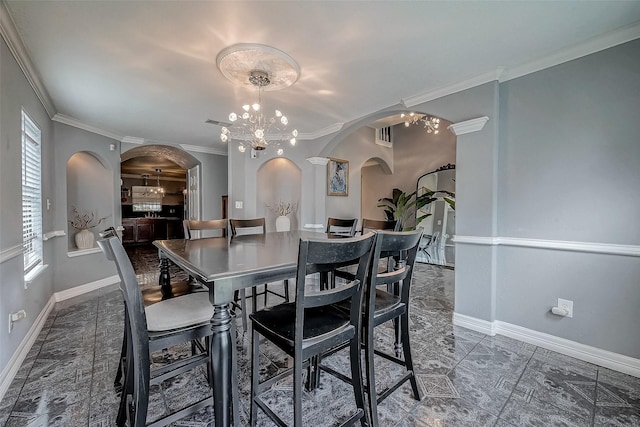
<point x="225" y="265"/>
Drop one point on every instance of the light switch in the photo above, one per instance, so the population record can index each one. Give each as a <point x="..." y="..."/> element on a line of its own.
<point x="239" y="204"/>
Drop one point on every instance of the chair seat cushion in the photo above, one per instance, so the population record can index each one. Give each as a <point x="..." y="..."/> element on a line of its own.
<point x="180" y="312"/>
<point x="277" y="323"/>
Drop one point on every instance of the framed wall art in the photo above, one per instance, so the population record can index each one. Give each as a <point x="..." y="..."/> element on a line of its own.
<point x="338" y="177"/>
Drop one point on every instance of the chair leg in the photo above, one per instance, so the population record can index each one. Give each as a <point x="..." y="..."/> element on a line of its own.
<point x="255" y="375"/>
<point x="235" y="400"/>
<point x="243" y="307"/>
<point x="286" y="290"/>
<point x="406" y="349"/>
<point x="356" y="380"/>
<point x="297" y="392"/>
<point x="371" y="378"/>
<point x="266" y="293"/>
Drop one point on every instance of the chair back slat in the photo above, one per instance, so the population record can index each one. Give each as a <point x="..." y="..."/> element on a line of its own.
<point x="324" y="255"/>
<point x="247" y="226"/>
<point x="214" y="224"/>
<point x="346" y="226"/>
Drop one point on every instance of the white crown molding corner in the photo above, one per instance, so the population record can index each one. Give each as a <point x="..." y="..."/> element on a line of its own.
<point x="318" y="160"/>
<point x="11" y="369"/>
<point x="468" y="126"/>
<point x="132" y="140"/>
<point x="88" y="287"/>
<point x="19" y="52"/>
<point x="12" y="252"/>
<point x="558" y="245"/>
<point x="593" y="45"/>
<point x="322" y="132"/>
<point x="61" y="118"/>
<point x="200" y="149"/>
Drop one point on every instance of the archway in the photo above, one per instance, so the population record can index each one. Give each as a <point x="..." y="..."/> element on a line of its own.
<point x="278" y="181"/>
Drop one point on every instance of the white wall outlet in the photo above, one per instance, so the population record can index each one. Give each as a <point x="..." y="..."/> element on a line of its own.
<point x="239" y="204"/>
<point x="14" y="317"/>
<point x="566" y="304"/>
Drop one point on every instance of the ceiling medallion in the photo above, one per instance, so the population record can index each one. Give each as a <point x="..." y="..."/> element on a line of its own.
<point x="264" y="68"/>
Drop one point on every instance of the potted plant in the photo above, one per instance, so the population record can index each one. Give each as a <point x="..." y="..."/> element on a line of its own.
<point x="282" y="210"/>
<point x="402" y="206"/>
<point x="84" y="222"/>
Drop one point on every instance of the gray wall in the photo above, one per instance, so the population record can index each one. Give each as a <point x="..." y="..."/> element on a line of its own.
<point x="16" y="94"/>
<point x="570" y="171"/>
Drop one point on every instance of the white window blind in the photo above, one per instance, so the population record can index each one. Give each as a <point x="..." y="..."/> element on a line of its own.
<point x="31" y="195"/>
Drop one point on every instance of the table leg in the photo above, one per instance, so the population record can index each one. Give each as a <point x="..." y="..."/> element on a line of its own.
<point x="221" y="364"/>
<point x="165" y="279"/>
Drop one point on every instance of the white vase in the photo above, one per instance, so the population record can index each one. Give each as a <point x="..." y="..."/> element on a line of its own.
<point x="283" y="223"/>
<point x="84" y="239"/>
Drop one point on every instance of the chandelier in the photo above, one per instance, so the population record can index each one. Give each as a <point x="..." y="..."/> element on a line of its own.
<point x="251" y="128"/>
<point x="266" y="69"/>
<point x="431" y="124"/>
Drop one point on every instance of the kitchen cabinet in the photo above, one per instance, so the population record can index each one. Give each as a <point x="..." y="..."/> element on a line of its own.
<point x="146" y="230"/>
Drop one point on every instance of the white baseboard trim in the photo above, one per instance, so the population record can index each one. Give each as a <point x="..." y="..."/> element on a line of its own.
<point x="608" y="359"/>
<point x="9" y="372"/>
<point x="83" y="289"/>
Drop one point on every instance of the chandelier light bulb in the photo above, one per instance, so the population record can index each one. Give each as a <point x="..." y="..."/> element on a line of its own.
<point x="259" y="133"/>
<point x="224" y="137"/>
<point x="246" y="107"/>
<point x="232" y="117"/>
<point x="241" y="148"/>
<point x="245" y="116"/>
<point x="255" y="107"/>
<point x="295" y="133"/>
<point x="284" y="120"/>
<point x="278" y="113"/>
<point x="280" y="151"/>
<point x="292" y="141"/>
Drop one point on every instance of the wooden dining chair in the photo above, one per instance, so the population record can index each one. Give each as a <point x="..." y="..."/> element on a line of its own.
<point x="218" y="226"/>
<point x="342" y="226"/>
<point x="312" y="325"/>
<point x="378" y="224"/>
<point x="387" y="299"/>
<point x="246" y="227"/>
<point x="167" y="323"/>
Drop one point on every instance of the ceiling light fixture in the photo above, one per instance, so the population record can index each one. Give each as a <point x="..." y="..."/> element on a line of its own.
<point x="266" y="69"/>
<point x="431" y="124"/>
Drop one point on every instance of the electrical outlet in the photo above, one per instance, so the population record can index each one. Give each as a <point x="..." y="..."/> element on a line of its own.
<point x="14" y="317"/>
<point x="566" y="305"/>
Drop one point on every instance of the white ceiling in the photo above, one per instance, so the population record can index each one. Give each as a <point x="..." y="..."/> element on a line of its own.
<point x="147" y="69"/>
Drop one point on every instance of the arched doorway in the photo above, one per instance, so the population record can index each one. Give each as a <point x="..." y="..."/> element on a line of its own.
<point x="278" y="181"/>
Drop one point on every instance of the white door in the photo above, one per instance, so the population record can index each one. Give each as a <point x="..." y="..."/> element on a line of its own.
<point x="193" y="195"/>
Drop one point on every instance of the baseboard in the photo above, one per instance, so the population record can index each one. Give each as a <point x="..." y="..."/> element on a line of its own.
<point x="608" y="359"/>
<point x="83" y="289"/>
<point x="9" y="372"/>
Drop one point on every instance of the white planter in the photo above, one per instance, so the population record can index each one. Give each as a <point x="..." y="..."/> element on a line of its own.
<point x="283" y="223"/>
<point x="84" y="239"/>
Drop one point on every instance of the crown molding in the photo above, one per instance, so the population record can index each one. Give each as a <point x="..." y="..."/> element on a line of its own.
<point x="468" y="126"/>
<point x="318" y="160"/>
<point x="19" y="52"/>
<point x="453" y="88"/>
<point x="321" y="132"/>
<point x="132" y="140"/>
<point x="200" y="149"/>
<point x="61" y="118"/>
<point x="593" y="45"/>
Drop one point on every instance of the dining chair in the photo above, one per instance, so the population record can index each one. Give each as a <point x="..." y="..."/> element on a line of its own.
<point x="378" y="224"/>
<point x="218" y="226"/>
<point x="246" y="227"/>
<point x="387" y="299"/>
<point x="342" y="226"/>
<point x="312" y="325"/>
<point x="431" y="248"/>
<point x="161" y="325"/>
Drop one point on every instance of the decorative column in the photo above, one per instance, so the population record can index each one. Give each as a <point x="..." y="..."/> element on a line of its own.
<point x="319" y="189"/>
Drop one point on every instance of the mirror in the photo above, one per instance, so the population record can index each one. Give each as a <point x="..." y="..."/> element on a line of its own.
<point x="439" y="226"/>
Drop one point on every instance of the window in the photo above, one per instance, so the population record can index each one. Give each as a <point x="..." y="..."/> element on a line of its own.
<point x="31" y="195"/>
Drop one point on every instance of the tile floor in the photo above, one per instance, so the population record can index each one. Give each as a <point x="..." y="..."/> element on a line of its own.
<point x="467" y="378"/>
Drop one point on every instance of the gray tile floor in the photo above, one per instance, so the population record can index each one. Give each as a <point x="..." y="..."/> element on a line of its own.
<point x="467" y="378"/>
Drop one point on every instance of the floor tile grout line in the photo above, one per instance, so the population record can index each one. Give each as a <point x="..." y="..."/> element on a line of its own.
<point x="516" y="384"/>
<point x="595" y="397"/>
<point x="93" y="362"/>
